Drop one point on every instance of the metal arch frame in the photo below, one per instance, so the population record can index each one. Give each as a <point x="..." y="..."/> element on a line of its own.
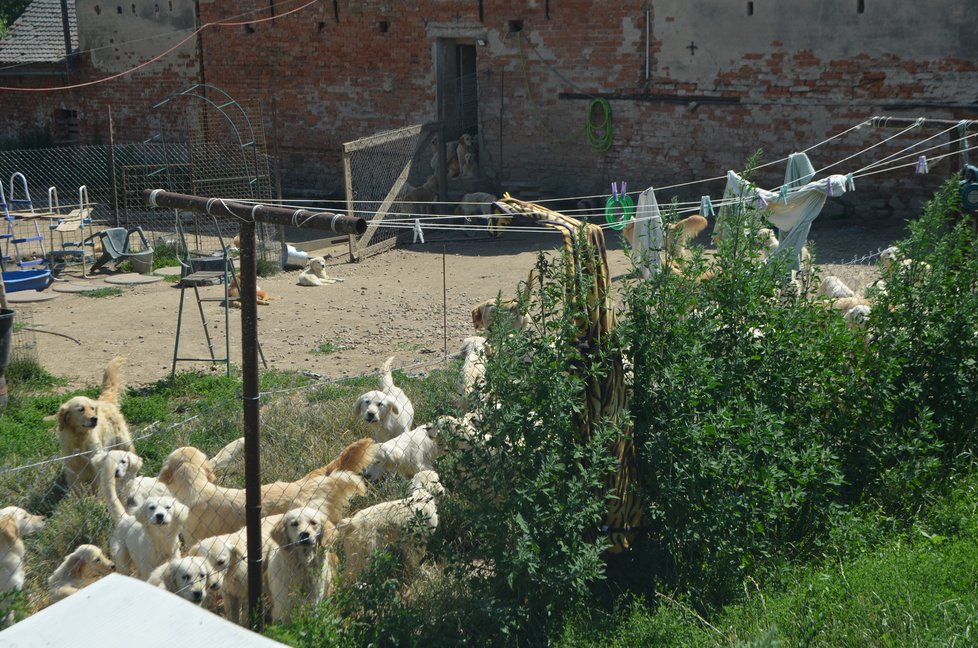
<point x="191" y="92"/>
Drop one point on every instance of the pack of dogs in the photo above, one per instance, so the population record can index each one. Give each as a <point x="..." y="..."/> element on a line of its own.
<point x="183" y="531"/>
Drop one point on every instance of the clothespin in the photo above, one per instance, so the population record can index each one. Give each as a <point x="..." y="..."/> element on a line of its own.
<point x="922" y="165"/>
<point x="418" y="234"/>
<point x="762" y="201"/>
<point x="624" y="189"/>
<point x="614" y="190"/>
<point x="828" y="186"/>
<point x="706" y="207"/>
<point x="850" y="183"/>
<point x="783" y="194"/>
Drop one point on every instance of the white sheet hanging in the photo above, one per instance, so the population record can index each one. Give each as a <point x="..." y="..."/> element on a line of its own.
<point x="647" y="239"/>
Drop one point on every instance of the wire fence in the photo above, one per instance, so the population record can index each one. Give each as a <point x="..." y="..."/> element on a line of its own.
<point x="348" y="467"/>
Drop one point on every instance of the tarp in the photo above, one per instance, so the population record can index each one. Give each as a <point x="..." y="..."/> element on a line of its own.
<point x="122" y="612"/>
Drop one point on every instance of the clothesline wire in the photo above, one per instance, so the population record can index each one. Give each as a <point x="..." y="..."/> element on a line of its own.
<point x="679" y="206"/>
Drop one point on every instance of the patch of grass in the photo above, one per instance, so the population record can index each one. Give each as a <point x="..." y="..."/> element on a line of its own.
<point x="327" y="348"/>
<point x="28" y="374"/>
<point x="267" y="268"/>
<point x="102" y="292"/>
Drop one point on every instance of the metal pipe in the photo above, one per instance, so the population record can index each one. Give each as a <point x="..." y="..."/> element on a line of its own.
<point x="882" y="121"/>
<point x="339" y="223"/>
<point x="648" y="12"/>
<point x="249" y="397"/>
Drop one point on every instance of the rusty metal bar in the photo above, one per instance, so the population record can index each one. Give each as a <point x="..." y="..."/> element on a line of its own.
<point x="881" y="121"/>
<point x="339" y="223"/>
<point x="249" y="215"/>
<point x="250" y="404"/>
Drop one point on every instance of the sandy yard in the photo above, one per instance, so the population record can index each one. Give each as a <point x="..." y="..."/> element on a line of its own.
<point x="391" y="304"/>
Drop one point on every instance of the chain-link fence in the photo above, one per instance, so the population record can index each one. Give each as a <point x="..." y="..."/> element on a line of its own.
<point x="348" y="468"/>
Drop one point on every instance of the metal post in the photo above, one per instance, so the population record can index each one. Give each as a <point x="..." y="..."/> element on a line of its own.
<point x="249" y="215"/>
<point x="249" y="397"/>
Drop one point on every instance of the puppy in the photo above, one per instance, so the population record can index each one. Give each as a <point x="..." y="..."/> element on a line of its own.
<point x="390" y="523"/>
<point x="476" y="207"/>
<point x="857" y="316"/>
<point x="214" y="510"/>
<point x="474" y="364"/>
<point x="118" y="480"/>
<point x="300" y="565"/>
<point x="465" y="146"/>
<point x="832" y="287"/>
<point x="388" y="408"/>
<point x="470" y="166"/>
<point x="144" y="540"/>
<point x="314" y="274"/>
<point x="15" y="524"/>
<point x="354" y="458"/>
<point x="418" y="201"/>
<point x="86" y="426"/>
<point x="263" y="298"/>
<point x="82" y="567"/>
<point x="484" y="313"/>
<point x="228" y="556"/>
<point x="407" y="453"/>
<point x="188" y="578"/>
<point x="451" y="157"/>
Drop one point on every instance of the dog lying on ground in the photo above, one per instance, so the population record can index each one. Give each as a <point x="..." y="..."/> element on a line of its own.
<point x="388" y="409"/>
<point x="82" y="567"/>
<point x="263" y="298"/>
<point x="314" y="274"/>
<point x="300" y="563"/>
<point x="832" y="287"/>
<point x="15" y="524"/>
<point x="214" y="510"/>
<point x="390" y="523"/>
<point x="190" y="578"/>
<point x="86" y="426"/>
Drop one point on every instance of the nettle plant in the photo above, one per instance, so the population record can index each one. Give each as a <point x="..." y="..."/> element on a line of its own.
<point x="738" y="374"/>
<point x="529" y="496"/>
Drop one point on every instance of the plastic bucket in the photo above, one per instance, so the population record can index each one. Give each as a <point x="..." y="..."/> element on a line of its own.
<point x="293" y="258"/>
<point x="6" y="335"/>
<point x="142" y="263"/>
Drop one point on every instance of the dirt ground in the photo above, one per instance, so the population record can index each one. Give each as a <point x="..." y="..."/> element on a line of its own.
<point x="406" y="302"/>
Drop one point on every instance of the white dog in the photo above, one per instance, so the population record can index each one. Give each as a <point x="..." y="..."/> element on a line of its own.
<point x="15" y="523"/>
<point x="476" y="207"/>
<point x="314" y="274"/>
<point x="474" y="366"/>
<point x="389" y="523"/>
<point x="143" y="541"/>
<point x="228" y="554"/>
<point x="833" y="288"/>
<point x="82" y="567"/>
<point x="190" y="577"/>
<point x="407" y="453"/>
<point x="388" y="408"/>
<point x="300" y="565"/>
<point x="119" y="479"/>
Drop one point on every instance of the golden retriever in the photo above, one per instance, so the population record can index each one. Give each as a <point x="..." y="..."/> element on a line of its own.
<point x="354" y="458"/>
<point x="228" y="555"/>
<point x="189" y="577"/>
<point x="388" y="409"/>
<point x="262" y="297"/>
<point x="86" y="426"/>
<point x="314" y="274"/>
<point x="119" y="480"/>
<point x="82" y="567"/>
<point x="214" y="510"/>
<point x="300" y="565"/>
<point x="149" y="537"/>
<point x="390" y="523"/>
<point x="419" y="199"/>
<point x="15" y="524"/>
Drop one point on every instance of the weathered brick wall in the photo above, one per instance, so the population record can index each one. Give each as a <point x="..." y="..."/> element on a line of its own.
<point x="724" y="80"/>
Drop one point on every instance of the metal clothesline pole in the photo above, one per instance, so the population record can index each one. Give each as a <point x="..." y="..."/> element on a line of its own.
<point x="249" y="215"/>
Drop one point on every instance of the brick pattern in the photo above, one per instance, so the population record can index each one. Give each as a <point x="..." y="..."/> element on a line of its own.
<point x="331" y="74"/>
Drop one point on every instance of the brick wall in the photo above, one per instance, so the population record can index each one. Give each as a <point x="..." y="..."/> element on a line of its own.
<point x="722" y="83"/>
